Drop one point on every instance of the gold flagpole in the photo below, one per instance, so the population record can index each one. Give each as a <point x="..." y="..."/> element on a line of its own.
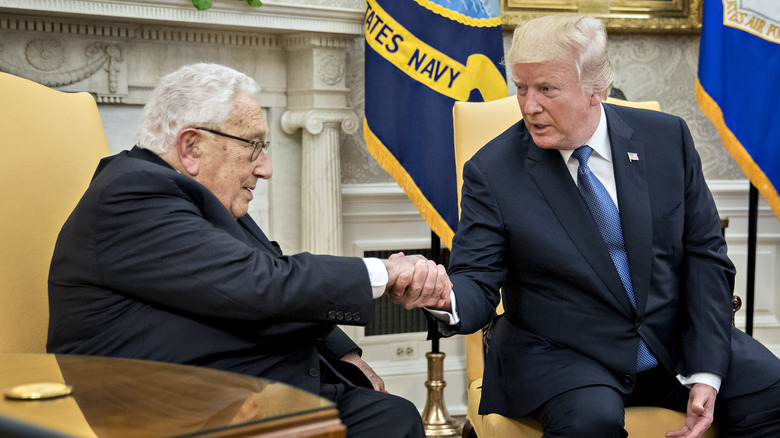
<point x="436" y="419"/>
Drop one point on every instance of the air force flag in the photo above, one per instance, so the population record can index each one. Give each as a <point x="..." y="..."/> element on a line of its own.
<point x="738" y="86"/>
<point x="422" y="56"/>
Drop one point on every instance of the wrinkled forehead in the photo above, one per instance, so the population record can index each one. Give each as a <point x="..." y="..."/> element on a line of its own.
<point x="247" y="115"/>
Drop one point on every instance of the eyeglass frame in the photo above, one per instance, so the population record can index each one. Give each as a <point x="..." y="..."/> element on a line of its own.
<point x="258" y="146"/>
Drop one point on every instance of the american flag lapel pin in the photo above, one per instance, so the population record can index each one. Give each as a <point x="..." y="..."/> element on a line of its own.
<point x="632" y="156"/>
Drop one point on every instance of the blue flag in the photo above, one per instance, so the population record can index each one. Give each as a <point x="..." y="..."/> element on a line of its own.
<point x="421" y="57"/>
<point x="738" y="86"/>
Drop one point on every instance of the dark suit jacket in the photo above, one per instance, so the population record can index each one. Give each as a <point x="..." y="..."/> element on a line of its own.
<point x="525" y="229"/>
<point x="151" y="265"/>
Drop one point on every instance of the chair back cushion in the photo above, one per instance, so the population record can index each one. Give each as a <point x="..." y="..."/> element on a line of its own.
<point x="50" y="145"/>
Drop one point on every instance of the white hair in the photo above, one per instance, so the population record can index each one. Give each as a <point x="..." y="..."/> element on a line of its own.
<point x="565" y="36"/>
<point x="193" y="96"/>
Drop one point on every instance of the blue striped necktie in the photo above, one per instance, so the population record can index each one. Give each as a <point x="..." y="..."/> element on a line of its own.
<point x="607" y="218"/>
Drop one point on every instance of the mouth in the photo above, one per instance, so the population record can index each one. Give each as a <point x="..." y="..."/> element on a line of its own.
<point x="537" y="126"/>
<point x="249" y="191"/>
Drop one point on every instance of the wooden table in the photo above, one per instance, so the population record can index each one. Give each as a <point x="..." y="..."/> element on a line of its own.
<point x="134" y="398"/>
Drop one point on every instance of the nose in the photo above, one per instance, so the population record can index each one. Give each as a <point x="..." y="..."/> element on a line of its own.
<point x="263" y="168"/>
<point x="529" y="104"/>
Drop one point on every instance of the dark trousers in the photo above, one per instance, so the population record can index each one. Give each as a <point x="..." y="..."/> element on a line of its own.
<point x="599" y="410"/>
<point x="364" y="411"/>
<point x="372" y="414"/>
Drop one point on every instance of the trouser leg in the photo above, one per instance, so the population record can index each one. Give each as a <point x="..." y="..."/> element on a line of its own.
<point x="372" y="414"/>
<point x="754" y="415"/>
<point x="591" y="411"/>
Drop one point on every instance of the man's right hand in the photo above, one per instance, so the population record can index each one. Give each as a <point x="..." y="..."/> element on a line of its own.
<point x="414" y="281"/>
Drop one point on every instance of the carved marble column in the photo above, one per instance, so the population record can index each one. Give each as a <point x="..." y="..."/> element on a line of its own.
<point x="320" y="175"/>
<point x="316" y="97"/>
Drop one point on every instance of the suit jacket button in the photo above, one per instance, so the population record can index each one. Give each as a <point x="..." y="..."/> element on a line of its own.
<point x="340" y="315"/>
<point x="356" y="316"/>
<point x="332" y="314"/>
<point x="628" y="379"/>
<point x="347" y="316"/>
<point x="313" y="372"/>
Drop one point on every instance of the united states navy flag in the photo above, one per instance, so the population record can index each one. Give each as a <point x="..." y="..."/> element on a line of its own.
<point x="738" y="85"/>
<point x="421" y="57"/>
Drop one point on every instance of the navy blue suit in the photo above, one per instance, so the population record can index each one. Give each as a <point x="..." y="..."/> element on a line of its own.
<point x="568" y="322"/>
<point x="151" y="265"/>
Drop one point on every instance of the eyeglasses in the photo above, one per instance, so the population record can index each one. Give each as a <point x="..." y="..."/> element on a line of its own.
<point x="258" y="146"/>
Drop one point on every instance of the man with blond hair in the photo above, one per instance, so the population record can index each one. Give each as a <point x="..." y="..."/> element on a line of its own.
<point x="595" y="223"/>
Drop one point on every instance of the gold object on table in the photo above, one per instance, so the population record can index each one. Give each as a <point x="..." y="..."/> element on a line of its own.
<point x="38" y="391"/>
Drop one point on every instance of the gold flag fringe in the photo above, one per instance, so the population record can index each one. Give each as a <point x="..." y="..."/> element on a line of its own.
<point x="388" y="162"/>
<point x="754" y="173"/>
<point x="457" y="16"/>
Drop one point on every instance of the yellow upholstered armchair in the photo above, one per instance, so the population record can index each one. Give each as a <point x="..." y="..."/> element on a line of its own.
<point x="50" y="144"/>
<point x="476" y="123"/>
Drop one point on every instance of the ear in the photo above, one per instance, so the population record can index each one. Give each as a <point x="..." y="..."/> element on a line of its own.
<point x="597" y="98"/>
<point x="188" y="150"/>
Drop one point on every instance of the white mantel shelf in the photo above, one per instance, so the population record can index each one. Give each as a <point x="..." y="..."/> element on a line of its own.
<point x="271" y="17"/>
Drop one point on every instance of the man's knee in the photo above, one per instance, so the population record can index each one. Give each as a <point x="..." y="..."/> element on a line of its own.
<point x="752" y="415"/>
<point x="401" y="416"/>
<point x="368" y="413"/>
<point x="585" y="412"/>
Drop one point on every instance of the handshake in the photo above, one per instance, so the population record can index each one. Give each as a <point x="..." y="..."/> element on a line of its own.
<point x="413" y="281"/>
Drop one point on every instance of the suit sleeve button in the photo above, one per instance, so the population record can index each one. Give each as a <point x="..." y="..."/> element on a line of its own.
<point x="356" y="316"/>
<point x="313" y="372"/>
<point x="332" y="314"/>
<point x="340" y="315"/>
<point x="347" y="316"/>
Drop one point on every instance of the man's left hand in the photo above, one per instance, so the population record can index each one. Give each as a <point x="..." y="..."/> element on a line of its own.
<point x="701" y="411"/>
<point x="355" y="359"/>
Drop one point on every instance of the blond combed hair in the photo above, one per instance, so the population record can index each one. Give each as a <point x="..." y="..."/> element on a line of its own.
<point x="565" y="36"/>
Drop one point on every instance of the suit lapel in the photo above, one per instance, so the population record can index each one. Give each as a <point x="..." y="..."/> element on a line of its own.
<point x="253" y="230"/>
<point x="634" y="203"/>
<point x="552" y="177"/>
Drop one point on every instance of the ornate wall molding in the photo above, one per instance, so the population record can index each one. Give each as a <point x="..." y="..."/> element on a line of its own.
<point x="306" y="40"/>
<point x="273" y="16"/>
<point x="46" y="56"/>
<point x="65" y="26"/>
<point x="115" y="61"/>
<point x="330" y="68"/>
<point x="316" y="70"/>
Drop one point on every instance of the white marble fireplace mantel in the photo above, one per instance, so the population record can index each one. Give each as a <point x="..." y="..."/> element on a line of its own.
<point x="117" y="50"/>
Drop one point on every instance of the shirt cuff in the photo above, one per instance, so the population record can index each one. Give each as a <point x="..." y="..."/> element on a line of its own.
<point x="444" y="316"/>
<point x="446" y="322"/>
<point x="711" y="379"/>
<point x="377" y="275"/>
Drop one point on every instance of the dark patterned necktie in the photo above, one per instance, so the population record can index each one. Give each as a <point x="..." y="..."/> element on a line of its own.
<point x="607" y="218"/>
